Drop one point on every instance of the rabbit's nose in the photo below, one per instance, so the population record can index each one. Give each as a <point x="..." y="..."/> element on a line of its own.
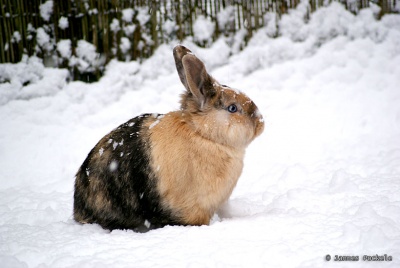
<point x="259" y="126"/>
<point x="257" y="114"/>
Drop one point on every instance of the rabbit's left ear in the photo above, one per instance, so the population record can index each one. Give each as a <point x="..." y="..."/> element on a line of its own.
<point x="197" y="78"/>
<point x="179" y="52"/>
<point x="193" y="74"/>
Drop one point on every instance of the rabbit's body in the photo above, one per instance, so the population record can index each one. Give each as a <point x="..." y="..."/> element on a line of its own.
<point x="176" y="168"/>
<point x="190" y="182"/>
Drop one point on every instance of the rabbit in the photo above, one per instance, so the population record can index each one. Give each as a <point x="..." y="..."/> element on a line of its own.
<point x="170" y="169"/>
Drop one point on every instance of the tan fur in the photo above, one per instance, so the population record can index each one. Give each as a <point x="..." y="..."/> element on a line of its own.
<point x="194" y="173"/>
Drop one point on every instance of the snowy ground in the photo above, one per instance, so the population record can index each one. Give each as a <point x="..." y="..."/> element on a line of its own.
<point x="324" y="178"/>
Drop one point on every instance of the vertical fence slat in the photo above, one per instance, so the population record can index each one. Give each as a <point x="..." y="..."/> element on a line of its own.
<point x="2" y="33"/>
<point x="7" y="25"/>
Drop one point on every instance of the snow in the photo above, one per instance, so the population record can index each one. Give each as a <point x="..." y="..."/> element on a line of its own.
<point x="129" y="29"/>
<point x="16" y="37"/>
<point x="127" y="15"/>
<point x="115" y="144"/>
<point x="87" y="57"/>
<point x="114" y="26"/>
<point x="64" y="48"/>
<point x="93" y="11"/>
<point x="43" y="39"/>
<point x="203" y="29"/>
<point x="154" y="124"/>
<point x="63" y="23"/>
<point x="125" y="45"/>
<point x="29" y="79"/>
<point x="271" y="20"/>
<point x="169" y="27"/>
<point x="46" y="9"/>
<point x="113" y="166"/>
<point x="323" y="178"/>
<point x="226" y="16"/>
<point x="143" y="16"/>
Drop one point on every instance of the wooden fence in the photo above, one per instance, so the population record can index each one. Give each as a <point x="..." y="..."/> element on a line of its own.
<point x="129" y="29"/>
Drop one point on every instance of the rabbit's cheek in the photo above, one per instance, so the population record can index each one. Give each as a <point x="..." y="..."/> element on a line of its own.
<point x="239" y="135"/>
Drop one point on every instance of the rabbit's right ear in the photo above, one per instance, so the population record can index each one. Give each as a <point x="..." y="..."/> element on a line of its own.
<point x="193" y="74"/>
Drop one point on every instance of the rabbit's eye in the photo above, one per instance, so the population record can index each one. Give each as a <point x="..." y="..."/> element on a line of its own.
<point x="232" y="108"/>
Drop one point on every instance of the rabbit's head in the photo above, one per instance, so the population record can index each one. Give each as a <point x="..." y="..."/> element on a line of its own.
<point x="216" y="112"/>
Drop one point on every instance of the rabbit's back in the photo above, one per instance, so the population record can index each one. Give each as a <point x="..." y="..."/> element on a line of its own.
<point x="115" y="186"/>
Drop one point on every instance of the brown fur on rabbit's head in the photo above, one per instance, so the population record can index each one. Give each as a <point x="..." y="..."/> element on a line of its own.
<point x="217" y="112"/>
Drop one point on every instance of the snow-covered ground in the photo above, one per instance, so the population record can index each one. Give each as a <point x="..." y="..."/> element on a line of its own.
<point x="324" y="177"/>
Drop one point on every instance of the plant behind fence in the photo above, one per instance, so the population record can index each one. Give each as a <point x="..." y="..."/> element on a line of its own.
<point x="83" y="35"/>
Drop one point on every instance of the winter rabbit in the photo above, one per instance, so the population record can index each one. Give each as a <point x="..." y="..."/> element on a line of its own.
<point x="172" y="169"/>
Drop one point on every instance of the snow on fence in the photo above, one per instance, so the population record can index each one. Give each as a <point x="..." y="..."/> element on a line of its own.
<point x="83" y="35"/>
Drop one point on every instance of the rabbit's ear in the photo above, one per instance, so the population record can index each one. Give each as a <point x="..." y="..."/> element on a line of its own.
<point x="199" y="82"/>
<point x="179" y="52"/>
